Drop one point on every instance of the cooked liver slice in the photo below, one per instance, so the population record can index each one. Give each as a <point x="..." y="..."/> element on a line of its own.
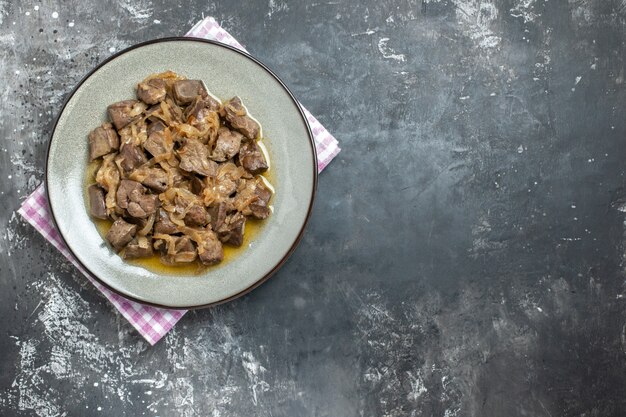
<point x="211" y="252"/>
<point x="258" y="195"/>
<point x="131" y="157"/>
<point x="260" y="207"/>
<point x="155" y="179"/>
<point x="127" y="191"/>
<point x="237" y="116"/>
<point x="102" y="141"/>
<point x="120" y="234"/>
<point x="227" y="145"/>
<point x="194" y="157"/>
<point x="251" y="158"/>
<point x="199" y="104"/>
<point x="97" y="204"/>
<point x="227" y="180"/>
<point x="143" y="206"/>
<point x="132" y="196"/>
<point x="218" y="215"/>
<point x="158" y="144"/>
<point x="197" y="216"/>
<point x="119" y="113"/>
<point x="232" y="229"/>
<point x="185" y="91"/>
<point x="155" y="125"/>
<point x="152" y="91"/>
<point x="164" y="225"/>
<point x="138" y="248"/>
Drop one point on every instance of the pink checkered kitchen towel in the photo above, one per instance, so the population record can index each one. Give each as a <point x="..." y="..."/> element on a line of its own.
<point x="152" y="322"/>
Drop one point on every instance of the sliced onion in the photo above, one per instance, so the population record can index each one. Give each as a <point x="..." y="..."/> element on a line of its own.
<point x="167" y="115"/>
<point x="147" y="228"/>
<point x="170" y="242"/>
<point x="138" y="108"/>
<point x="167" y="75"/>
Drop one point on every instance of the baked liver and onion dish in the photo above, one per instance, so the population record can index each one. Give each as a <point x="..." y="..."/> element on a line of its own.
<point x="178" y="172"/>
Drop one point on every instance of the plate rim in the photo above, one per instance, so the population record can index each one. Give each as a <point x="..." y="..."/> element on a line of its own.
<point x="263" y="66"/>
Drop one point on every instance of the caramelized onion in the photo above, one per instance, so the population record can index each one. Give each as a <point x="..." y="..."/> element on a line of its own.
<point x="167" y="76"/>
<point x="138" y="108"/>
<point x="108" y="177"/>
<point x="170" y="242"/>
<point x="148" y="227"/>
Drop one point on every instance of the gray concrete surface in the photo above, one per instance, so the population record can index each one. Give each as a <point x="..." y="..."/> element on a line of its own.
<point x="465" y="256"/>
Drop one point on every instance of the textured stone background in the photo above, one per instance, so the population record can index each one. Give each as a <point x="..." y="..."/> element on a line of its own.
<point x="465" y="256"/>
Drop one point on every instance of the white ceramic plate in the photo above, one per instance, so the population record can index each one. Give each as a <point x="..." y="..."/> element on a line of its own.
<point x="226" y="72"/>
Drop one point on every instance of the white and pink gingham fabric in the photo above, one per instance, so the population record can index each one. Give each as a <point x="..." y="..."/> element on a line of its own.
<point x="152" y="322"/>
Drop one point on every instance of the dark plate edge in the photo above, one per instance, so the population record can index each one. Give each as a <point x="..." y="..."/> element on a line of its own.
<point x="313" y="151"/>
